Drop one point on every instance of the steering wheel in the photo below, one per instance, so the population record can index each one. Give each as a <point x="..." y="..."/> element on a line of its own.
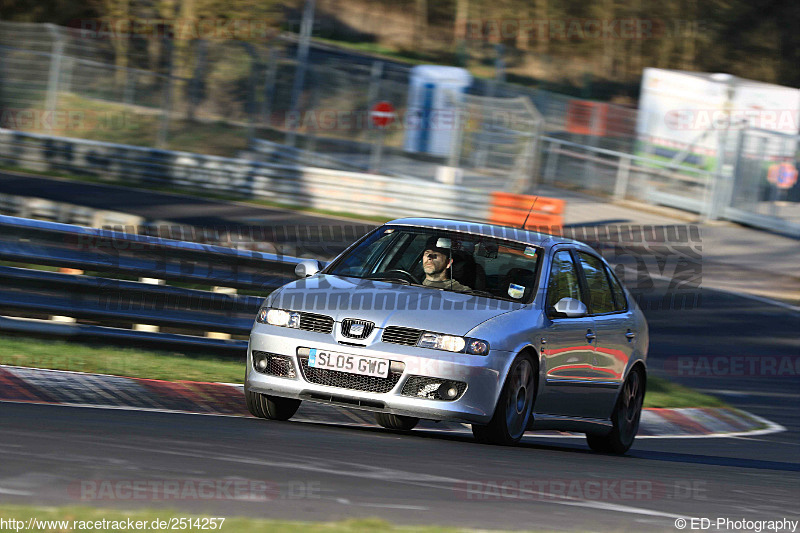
<point x="404" y="274"/>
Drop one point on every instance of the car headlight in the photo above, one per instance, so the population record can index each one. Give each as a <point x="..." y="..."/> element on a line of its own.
<point x="452" y="343"/>
<point x="278" y="317"/>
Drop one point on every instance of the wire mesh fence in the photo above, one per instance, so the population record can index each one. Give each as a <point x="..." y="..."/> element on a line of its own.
<point x="225" y="96"/>
<point x="763" y="187"/>
<point x="246" y="85"/>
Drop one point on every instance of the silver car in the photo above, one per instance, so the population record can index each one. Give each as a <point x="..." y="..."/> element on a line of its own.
<point x="505" y="329"/>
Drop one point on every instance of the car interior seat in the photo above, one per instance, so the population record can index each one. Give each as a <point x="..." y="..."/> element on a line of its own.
<point x="466" y="271"/>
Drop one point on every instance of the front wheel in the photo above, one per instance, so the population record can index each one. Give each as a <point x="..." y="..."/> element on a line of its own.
<point x="270" y="407"/>
<point x="396" y="422"/>
<point x="625" y="417"/>
<point x="514" y="407"/>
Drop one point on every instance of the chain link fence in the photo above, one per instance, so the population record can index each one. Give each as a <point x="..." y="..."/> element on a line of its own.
<point x="164" y="87"/>
<point x="227" y="97"/>
<point x="763" y="187"/>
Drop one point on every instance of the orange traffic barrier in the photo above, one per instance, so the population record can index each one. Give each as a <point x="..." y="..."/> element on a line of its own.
<point x="508" y="209"/>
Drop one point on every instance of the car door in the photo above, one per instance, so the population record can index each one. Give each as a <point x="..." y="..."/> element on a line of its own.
<point x="613" y="321"/>
<point x="567" y="343"/>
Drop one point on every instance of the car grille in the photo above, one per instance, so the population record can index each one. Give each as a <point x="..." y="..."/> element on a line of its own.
<point x="398" y="335"/>
<point x="348" y="323"/>
<point x="315" y="322"/>
<point x="277" y="365"/>
<point x="334" y="378"/>
<point x="428" y="387"/>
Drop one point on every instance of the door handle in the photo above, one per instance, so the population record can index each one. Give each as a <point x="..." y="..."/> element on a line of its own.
<point x="590" y="336"/>
<point x="630" y="335"/>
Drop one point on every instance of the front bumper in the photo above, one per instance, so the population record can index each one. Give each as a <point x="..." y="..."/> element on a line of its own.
<point x="482" y="374"/>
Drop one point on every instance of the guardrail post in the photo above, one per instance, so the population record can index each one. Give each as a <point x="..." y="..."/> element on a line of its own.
<point x="216" y="334"/>
<point x="149" y="327"/>
<point x="62" y="318"/>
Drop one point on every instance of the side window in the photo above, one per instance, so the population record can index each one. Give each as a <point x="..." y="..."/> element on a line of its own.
<point x="620" y="303"/>
<point x="563" y="279"/>
<point x="600" y="296"/>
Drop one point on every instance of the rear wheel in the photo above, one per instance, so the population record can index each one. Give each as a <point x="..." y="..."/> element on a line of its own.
<point x="270" y="407"/>
<point x="514" y="407"/>
<point x="396" y="422"/>
<point x="625" y="417"/>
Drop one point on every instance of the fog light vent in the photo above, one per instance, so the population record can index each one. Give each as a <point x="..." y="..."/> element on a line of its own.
<point x="433" y="388"/>
<point x="273" y="364"/>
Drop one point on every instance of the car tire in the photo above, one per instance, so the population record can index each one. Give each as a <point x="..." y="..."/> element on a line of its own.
<point x="396" y="422"/>
<point x="270" y="407"/>
<point x="514" y="407"/>
<point x="625" y="417"/>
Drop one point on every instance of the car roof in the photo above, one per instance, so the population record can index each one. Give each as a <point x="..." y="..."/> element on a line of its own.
<point x="545" y="240"/>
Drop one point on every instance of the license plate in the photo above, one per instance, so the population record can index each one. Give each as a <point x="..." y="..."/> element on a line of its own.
<point x="352" y="364"/>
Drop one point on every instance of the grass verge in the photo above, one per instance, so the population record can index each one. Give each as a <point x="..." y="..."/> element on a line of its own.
<point x="80" y="518"/>
<point x="120" y="361"/>
<point x="175" y="365"/>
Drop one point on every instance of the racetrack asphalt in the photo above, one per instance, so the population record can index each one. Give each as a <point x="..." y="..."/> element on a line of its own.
<point x="317" y="471"/>
<point x="58" y="387"/>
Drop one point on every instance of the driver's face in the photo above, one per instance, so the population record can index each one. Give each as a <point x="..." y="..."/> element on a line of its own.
<point x="433" y="262"/>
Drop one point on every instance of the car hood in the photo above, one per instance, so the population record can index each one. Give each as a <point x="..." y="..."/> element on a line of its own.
<point x="389" y="304"/>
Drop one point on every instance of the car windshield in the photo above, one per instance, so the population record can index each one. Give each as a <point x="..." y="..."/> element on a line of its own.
<point x="480" y="265"/>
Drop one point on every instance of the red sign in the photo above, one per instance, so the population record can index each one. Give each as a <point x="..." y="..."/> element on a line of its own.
<point x="382" y="114"/>
<point x="783" y="175"/>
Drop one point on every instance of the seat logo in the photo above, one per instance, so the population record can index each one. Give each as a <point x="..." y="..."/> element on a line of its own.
<point x="356" y="329"/>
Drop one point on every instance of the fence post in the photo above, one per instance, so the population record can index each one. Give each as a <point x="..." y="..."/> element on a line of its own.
<point x="458" y="135"/>
<point x="250" y="104"/>
<point x="623" y="175"/>
<point x="130" y="88"/>
<point x="65" y="79"/>
<point x="300" y="66"/>
<point x="534" y="172"/>
<point x="269" y="88"/>
<point x="163" y="130"/>
<point x="374" y="91"/>
<point x="552" y="162"/>
<point x="197" y="83"/>
<point x="589" y="166"/>
<point x="378" y="134"/>
<point x="55" y="71"/>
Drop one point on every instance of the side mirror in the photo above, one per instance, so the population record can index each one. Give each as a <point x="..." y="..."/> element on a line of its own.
<point x="306" y="268"/>
<point x="568" y="308"/>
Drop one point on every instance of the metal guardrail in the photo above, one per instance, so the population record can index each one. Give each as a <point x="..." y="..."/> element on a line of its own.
<point x="44" y="209"/>
<point x="111" y="302"/>
<point x="320" y="188"/>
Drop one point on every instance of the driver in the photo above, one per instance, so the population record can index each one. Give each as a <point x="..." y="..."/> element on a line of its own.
<point x="436" y="263"/>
